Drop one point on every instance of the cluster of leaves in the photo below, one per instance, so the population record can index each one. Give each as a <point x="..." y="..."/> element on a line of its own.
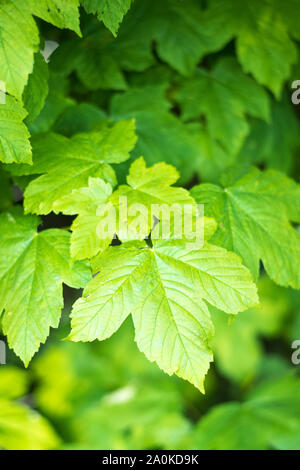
<point x="136" y="406"/>
<point x="191" y="87"/>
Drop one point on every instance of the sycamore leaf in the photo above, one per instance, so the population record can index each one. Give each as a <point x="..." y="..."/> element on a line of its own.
<point x="95" y="68"/>
<point x="290" y="13"/>
<point x="85" y="243"/>
<point x="19" y="40"/>
<point x="111" y="13"/>
<point x="36" y="90"/>
<point x="262" y="27"/>
<point x="76" y="118"/>
<point x="14" y="135"/>
<point x="17" y="26"/>
<point x="161" y="135"/>
<point x="182" y="32"/>
<point x="166" y="289"/>
<point x="56" y="102"/>
<point x="68" y="163"/>
<point x="61" y="13"/>
<point x="185" y="33"/>
<point x="99" y="59"/>
<point x="224" y="96"/>
<point x="253" y="220"/>
<point x="33" y="267"/>
<point x="273" y="143"/>
<point x="21" y="428"/>
<point x="100" y="312"/>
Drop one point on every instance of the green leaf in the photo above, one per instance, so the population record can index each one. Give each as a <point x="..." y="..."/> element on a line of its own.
<point x="96" y="68"/>
<point x="111" y="13"/>
<point x="273" y="144"/>
<point x="290" y="16"/>
<point x="17" y="27"/>
<point x="55" y="104"/>
<point x="61" y="13"/>
<point x="99" y="315"/>
<point x="268" y="419"/>
<point x="224" y="96"/>
<point x="166" y="289"/>
<point x="24" y="429"/>
<point x="14" y="135"/>
<point x="262" y="27"/>
<point x="76" y="118"/>
<point x="253" y="216"/>
<point x="184" y="33"/>
<point x="68" y="163"/>
<point x="99" y="59"/>
<point x="32" y="268"/>
<point x="85" y="243"/>
<point x="36" y="90"/>
<point x="161" y="135"/>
